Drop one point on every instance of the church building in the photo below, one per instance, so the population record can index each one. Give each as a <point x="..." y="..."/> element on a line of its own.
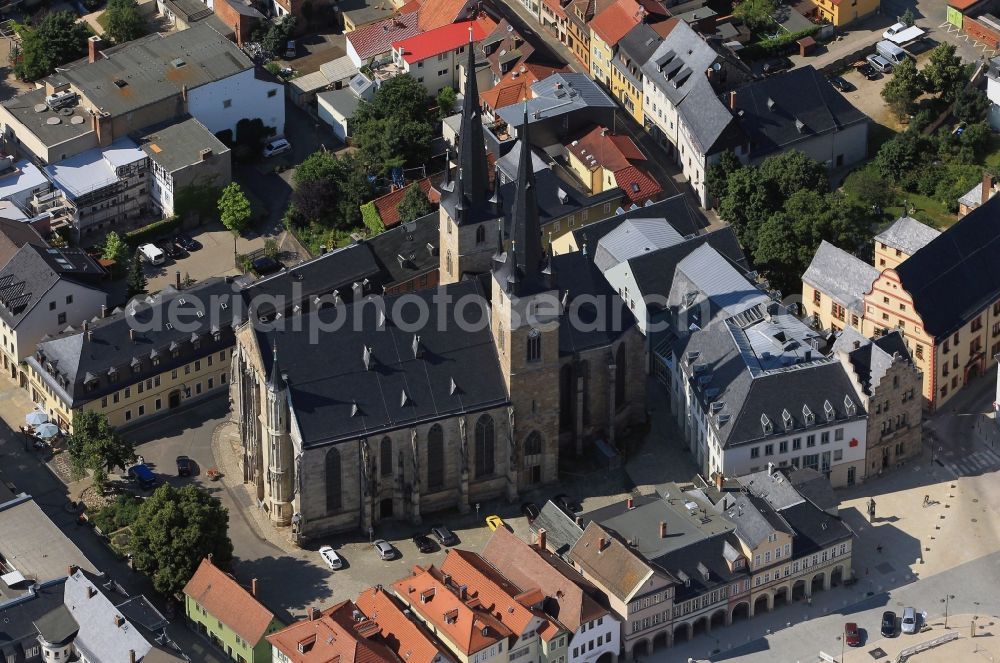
<point x="351" y="415"/>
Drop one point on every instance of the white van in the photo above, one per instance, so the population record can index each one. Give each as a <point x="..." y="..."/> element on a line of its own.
<point x="890" y="52"/>
<point x="152" y="253"/>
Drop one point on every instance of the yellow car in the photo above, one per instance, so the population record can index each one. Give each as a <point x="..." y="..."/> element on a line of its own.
<point x="495" y="522"/>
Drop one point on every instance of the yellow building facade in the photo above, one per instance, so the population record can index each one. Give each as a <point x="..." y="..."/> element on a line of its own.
<point x="842" y="12"/>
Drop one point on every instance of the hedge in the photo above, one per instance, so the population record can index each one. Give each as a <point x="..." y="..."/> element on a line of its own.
<point x="777" y="45"/>
<point x="153" y="231"/>
<point x="371" y="218"/>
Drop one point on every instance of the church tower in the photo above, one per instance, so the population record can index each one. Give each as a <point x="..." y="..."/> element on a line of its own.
<point x="469" y="209"/>
<point x="278" y="453"/>
<point x="525" y="325"/>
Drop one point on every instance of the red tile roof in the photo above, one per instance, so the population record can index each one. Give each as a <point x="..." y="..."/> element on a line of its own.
<point x="433" y="42"/>
<point x="334" y="635"/>
<point x="388" y="205"/>
<point x="465" y="623"/>
<point x="435" y="13"/>
<point x="410" y="7"/>
<point x="962" y="4"/>
<point x="515" y="86"/>
<point x="224" y="599"/>
<point x="637" y="185"/>
<point x="529" y="567"/>
<point x="618" y="154"/>
<point x="374" y="39"/>
<point x="408" y="641"/>
<point x="614" y="22"/>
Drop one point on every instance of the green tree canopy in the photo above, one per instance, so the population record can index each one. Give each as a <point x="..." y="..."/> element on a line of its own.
<point x="971" y="105"/>
<point x="136" y="279"/>
<point x="276" y="37"/>
<point x="123" y="21"/>
<point x="414" y="204"/>
<point x="902" y="156"/>
<point x="944" y="72"/>
<point x="115" y="248"/>
<point x="396" y="127"/>
<point x="757" y="14"/>
<point x="330" y="190"/>
<point x="717" y="175"/>
<point x="95" y="445"/>
<point x="446" y="101"/>
<point x="869" y="188"/>
<point x="902" y="90"/>
<point x="234" y="209"/>
<point x="57" y="39"/>
<point x="174" y="530"/>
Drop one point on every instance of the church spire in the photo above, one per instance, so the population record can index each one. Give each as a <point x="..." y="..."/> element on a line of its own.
<point x="471" y="192"/>
<point x="276" y="381"/>
<point x="523" y="267"/>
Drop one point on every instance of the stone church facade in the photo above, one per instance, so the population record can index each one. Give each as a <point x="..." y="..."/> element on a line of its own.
<point x="372" y="425"/>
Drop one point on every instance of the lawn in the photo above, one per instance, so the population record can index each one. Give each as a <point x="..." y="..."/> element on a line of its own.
<point x="928" y="210"/>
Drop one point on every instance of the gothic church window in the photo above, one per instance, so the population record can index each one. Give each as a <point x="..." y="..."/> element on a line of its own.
<point x="333" y="485"/>
<point x="534" y="345"/>
<point x="435" y="457"/>
<point x="533" y="444"/>
<point x="485" y="446"/>
<point x="385" y="452"/>
<point x="480" y="234"/>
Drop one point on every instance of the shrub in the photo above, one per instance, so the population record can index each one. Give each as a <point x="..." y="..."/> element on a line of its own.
<point x="777" y="45"/>
<point x="153" y="231"/>
<point x="370" y="217"/>
<point x="118" y="514"/>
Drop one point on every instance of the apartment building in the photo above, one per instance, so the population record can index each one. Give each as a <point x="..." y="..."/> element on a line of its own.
<point x="405" y="636"/>
<point x="607" y="29"/>
<point x="603" y="160"/>
<point x="433" y="57"/>
<point x="158" y="354"/>
<point x="834" y="287"/>
<point x="634" y="50"/>
<point x="339" y="633"/>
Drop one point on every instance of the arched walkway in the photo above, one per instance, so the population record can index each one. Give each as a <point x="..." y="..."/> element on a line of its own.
<point x="606" y="657"/>
<point x="799" y="590"/>
<point x="682" y="631"/>
<point x="718" y="619"/>
<point x="818" y="583"/>
<point x="641" y="648"/>
<point x="662" y="639"/>
<point x="760" y="604"/>
<point x="700" y="626"/>
<point x="740" y="611"/>
<point x="780" y="597"/>
<point x="836" y="576"/>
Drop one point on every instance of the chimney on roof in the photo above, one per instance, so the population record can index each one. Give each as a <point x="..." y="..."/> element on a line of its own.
<point x="602" y="544"/>
<point x="720" y="479"/>
<point x="253" y="587"/>
<point x="94" y="44"/>
<point x="184" y="93"/>
<point x="987" y="188"/>
<point x="91" y="592"/>
<point x="732" y="100"/>
<point x="630" y="504"/>
<point x="663" y="529"/>
<point x="857" y="344"/>
<point x="770" y="468"/>
<point x="131" y="656"/>
<point x="205" y="154"/>
<point x="131" y="335"/>
<point x="314" y="613"/>
<point x="71" y="569"/>
<point x="119" y="621"/>
<point x="177" y="279"/>
<point x="104" y="310"/>
<point x="541" y="538"/>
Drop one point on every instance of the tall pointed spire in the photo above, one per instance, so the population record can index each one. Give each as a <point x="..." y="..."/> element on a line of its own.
<point x="523" y="267"/>
<point x="471" y="192"/>
<point x="276" y="381"/>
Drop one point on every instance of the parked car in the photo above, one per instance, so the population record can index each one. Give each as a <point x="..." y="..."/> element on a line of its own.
<point x="775" y="65"/>
<point x="530" y="511"/>
<point x="852" y="636"/>
<point x="332" y="559"/>
<point x="841" y="84"/>
<point x="173" y="250"/>
<point x="290" y="49"/>
<point x="888" y="624"/>
<point x="384" y="549"/>
<point x="444" y="535"/>
<point x="423" y="543"/>
<point x="879" y="63"/>
<point x="909" y="623"/>
<point x="494" y="523"/>
<point x="142" y="475"/>
<point x="187" y="242"/>
<point x="276" y="147"/>
<point x="563" y="501"/>
<point x="152" y="254"/>
<point x="868" y="72"/>
<point x="183" y="466"/>
<point x="265" y="265"/>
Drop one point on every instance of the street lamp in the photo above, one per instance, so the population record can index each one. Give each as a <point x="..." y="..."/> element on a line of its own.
<point x="946" y="600"/>
<point x="842" y="637"/>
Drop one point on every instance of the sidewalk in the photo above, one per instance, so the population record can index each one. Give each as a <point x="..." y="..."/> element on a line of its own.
<point x="984" y="647"/>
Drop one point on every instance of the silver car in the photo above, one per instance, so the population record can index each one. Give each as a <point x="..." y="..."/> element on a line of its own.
<point x="909" y="623"/>
<point x="879" y="63"/>
<point x="384" y="549"/>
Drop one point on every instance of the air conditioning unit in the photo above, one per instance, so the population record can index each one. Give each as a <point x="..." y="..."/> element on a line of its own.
<point x="61" y="99"/>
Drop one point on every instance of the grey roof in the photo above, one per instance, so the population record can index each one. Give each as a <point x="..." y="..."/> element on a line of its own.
<point x="555" y="198"/>
<point x="755" y="519"/>
<point x="20" y="614"/>
<point x="179" y="144"/>
<point x="408" y="250"/>
<point x="15" y="234"/>
<point x="633" y="237"/>
<point x="507" y="164"/>
<point x="83" y="366"/>
<point x="800" y="104"/>
<point x="156" y="67"/>
<point x="34" y="270"/>
<point x="245" y="8"/>
<point x="674" y="211"/>
<point x="561" y="531"/>
<point x="908" y="235"/>
<point x="21" y="177"/>
<point x="841" y="276"/>
<point x="954" y="277"/>
<point x="703" y="277"/>
<point x="617" y="568"/>
<point x="585" y="289"/>
<point x="335" y="397"/>
<point x="23" y="107"/>
<point x="100" y="638"/>
<point x="873" y="359"/>
<point x="555" y="96"/>
<point x="815" y="529"/>
<point x="57" y="626"/>
<point x="189" y="10"/>
<point x="702" y="565"/>
<point x="774" y="487"/>
<point x="344" y="101"/>
<point x="638" y="45"/>
<point x="362" y="12"/>
<point x="339" y="69"/>
<point x="94" y="169"/>
<point x="973" y="197"/>
<point x="815" y="487"/>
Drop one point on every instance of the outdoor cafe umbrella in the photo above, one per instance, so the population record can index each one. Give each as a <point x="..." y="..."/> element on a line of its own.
<point x="47" y="431"/>
<point x="36" y="418"/>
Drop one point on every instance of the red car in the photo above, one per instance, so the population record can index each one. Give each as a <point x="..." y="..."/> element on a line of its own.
<point x="852" y="636"/>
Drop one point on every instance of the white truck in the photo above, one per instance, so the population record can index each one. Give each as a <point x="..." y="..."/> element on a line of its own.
<point x="900" y="34"/>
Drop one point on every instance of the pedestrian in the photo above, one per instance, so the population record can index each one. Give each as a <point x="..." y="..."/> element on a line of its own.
<point x="927" y="500"/>
<point x="141" y="460"/>
<point x="878" y="549"/>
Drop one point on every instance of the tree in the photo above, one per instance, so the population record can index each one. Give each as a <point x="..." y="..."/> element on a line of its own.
<point x="330" y="190"/>
<point x="174" y="530"/>
<point x="869" y="188"/>
<point x="446" y="101"/>
<point x="414" y="204"/>
<point x="136" y="279"/>
<point x="396" y="127"/>
<point x="277" y="35"/>
<point x="717" y="176"/>
<point x="745" y="205"/>
<point x="123" y="21"/>
<point x="95" y="445"/>
<point x="902" y="156"/>
<point x="788" y="172"/>
<point x="944" y="72"/>
<point x="757" y="14"/>
<point x="908" y="18"/>
<point x="57" y="39"/>
<point x="903" y="88"/>
<point x="234" y="209"/>
<point x="115" y="248"/>
<point x="971" y="105"/>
